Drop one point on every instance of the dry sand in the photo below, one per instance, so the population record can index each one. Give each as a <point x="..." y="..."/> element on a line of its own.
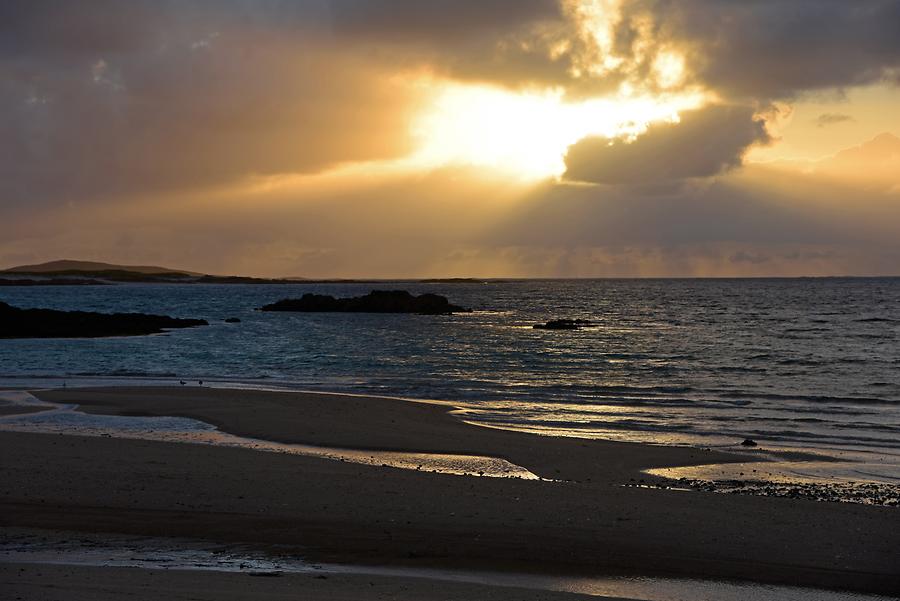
<point x="336" y="511"/>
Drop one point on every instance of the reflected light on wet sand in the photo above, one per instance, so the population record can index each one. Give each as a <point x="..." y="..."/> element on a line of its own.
<point x="65" y="419"/>
<point x="79" y="549"/>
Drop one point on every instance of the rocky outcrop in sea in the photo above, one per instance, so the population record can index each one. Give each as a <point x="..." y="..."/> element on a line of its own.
<point x="377" y="301"/>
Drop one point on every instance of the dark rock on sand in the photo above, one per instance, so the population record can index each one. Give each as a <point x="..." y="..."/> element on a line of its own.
<point x="49" y="323"/>
<point x="232" y="320"/>
<point x="377" y="301"/>
<point x="563" y="324"/>
<point x="748" y="442"/>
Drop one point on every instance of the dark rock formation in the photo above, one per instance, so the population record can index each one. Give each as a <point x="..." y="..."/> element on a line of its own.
<point x="377" y="301"/>
<point x="49" y="323"/>
<point x="748" y="442"/>
<point x="232" y="320"/>
<point x="563" y="324"/>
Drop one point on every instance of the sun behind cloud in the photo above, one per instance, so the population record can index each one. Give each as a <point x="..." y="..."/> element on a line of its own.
<point x="527" y="131"/>
<point x="527" y="134"/>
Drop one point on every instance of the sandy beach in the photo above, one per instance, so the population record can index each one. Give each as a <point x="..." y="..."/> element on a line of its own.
<point x="581" y="520"/>
<point x="49" y="582"/>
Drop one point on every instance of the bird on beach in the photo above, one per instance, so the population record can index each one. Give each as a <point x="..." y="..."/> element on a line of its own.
<point x="182" y="382"/>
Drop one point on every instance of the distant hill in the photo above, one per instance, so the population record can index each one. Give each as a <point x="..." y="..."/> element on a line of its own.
<point x="68" y="266"/>
<point x="70" y="273"/>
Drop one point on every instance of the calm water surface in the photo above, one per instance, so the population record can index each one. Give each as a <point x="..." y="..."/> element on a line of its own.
<point x="788" y="362"/>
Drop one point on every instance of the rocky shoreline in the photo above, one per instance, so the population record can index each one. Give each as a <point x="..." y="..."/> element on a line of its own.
<point x="864" y="493"/>
<point x="50" y="323"/>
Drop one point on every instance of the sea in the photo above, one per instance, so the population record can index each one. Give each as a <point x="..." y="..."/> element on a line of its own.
<point x="803" y="364"/>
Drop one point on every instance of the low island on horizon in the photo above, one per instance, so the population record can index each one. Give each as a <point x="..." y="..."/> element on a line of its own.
<point x="70" y="272"/>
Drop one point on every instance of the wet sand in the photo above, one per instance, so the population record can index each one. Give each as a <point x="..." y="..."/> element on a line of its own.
<point x="585" y="522"/>
<point x="14" y="410"/>
<point x="83" y="583"/>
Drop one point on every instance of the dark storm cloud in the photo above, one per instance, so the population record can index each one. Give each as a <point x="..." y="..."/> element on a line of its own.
<point x="505" y="42"/>
<point x="705" y="142"/>
<point x="438" y="21"/>
<point x="129" y="98"/>
<point x="71" y="30"/>
<point x="113" y="98"/>
<point x="776" y="49"/>
<point x="744" y="49"/>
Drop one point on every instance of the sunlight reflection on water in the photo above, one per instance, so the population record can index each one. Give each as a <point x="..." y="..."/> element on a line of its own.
<point x="808" y="363"/>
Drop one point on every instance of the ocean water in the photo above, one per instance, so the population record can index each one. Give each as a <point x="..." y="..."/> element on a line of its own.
<point x="805" y="363"/>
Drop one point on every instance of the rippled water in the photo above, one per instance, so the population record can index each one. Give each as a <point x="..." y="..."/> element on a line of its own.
<point x="788" y="362"/>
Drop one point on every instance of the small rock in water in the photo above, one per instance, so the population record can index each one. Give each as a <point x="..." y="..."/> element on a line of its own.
<point x="748" y="442"/>
<point x="562" y="324"/>
<point x="232" y="320"/>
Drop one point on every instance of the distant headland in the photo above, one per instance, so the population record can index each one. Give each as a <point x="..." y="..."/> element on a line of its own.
<point x="68" y="272"/>
<point x="71" y="272"/>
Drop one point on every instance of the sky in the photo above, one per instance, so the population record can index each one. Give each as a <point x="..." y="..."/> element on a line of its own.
<point x="426" y="138"/>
